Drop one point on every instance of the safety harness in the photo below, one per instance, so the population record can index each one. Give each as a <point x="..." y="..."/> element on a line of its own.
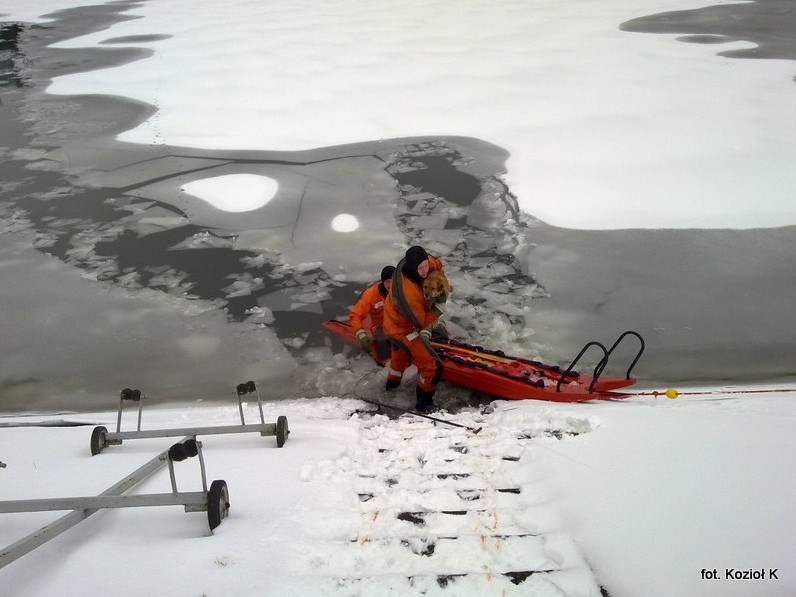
<point x="403" y="306"/>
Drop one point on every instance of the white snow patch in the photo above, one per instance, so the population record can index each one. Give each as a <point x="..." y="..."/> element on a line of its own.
<point x="234" y="192"/>
<point x="345" y="223"/>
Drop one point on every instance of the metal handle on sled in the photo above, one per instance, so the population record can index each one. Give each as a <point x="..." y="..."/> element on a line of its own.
<point x="577" y="358"/>
<point x="601" y="365"/>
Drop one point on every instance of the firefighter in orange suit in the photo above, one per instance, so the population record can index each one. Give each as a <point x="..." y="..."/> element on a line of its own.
<point x="408" y="319"/>
<point x="367" y="315"/>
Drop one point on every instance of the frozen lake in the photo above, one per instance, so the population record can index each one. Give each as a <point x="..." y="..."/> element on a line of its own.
<point x="115" y="275"/>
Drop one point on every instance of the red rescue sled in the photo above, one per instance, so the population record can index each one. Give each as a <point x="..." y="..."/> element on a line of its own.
<point x="515" y="378"/>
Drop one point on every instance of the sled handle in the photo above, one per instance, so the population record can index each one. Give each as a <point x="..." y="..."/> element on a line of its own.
<point x="601" y="365"/>
<point x="577" y="358"/>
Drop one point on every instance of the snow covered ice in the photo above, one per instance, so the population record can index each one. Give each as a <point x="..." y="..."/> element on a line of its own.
<point x="189" y="232"/>
<point x="637" y="497"/>
<point x="657" y="155"/>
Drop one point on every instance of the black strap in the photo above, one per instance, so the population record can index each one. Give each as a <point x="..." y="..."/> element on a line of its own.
<point x="400" y="296"/>
<point x="406" y="311"/>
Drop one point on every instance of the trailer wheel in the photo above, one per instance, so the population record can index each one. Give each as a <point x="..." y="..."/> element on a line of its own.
<point x="217" y="503"/>
<point x="282" y="431"/>
<point x="98" y="440"/>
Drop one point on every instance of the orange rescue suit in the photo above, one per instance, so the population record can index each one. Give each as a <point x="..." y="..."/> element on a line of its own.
<point x="368" y="314"/>
<point x="370" y="303"/>
<point x="408" y="345"/>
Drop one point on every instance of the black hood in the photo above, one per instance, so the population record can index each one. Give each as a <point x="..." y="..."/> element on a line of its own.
<point x="386" y="274"/>
<point x="414" y="257"/>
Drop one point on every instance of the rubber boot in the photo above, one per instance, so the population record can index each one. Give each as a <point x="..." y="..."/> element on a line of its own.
<point x="425" y="400"/>
<point x="392" y="384"/>
<point x="381" y="349"/>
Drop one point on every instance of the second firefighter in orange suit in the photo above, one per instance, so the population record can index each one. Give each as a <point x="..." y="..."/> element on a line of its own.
<point x="367" y="317"/>
<point x="408" y="319"/>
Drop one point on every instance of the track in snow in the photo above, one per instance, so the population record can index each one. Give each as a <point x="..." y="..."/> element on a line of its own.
<point x="444" y="512"/>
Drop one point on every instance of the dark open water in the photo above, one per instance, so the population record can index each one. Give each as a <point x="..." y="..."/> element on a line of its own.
<point x="96" y="232"/>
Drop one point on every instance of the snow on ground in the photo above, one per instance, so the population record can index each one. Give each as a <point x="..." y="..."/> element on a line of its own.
<point x="642" y="497"/>
<point x="606" y="129"/>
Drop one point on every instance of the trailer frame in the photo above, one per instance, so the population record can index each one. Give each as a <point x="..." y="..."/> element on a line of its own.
<point x="214" y="500"/>
<point x="101" y="437"/>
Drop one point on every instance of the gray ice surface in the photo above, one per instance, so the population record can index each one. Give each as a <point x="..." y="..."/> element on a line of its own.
<point x="112" y="276"/>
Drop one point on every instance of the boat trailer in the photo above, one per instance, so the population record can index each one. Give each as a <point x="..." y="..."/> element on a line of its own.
<point x="101" y="437"/>
<point x="215" y="500"/>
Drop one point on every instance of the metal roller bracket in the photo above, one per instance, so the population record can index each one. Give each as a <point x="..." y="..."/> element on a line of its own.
<point x="101" y="437"/>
